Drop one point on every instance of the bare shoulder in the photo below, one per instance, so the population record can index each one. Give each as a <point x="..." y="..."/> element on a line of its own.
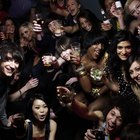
<point x="53" y="124"/>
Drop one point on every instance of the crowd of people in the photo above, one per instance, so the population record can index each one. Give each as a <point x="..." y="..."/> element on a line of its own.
<point x="68" y="74"/>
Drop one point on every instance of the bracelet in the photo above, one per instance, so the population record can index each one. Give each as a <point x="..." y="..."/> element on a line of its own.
<point x="82" y="73"/>
<point x="20" y="92"/>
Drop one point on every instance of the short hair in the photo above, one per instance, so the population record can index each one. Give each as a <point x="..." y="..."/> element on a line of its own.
<point x="92" y="38"/>
<point x="14" y="50"/>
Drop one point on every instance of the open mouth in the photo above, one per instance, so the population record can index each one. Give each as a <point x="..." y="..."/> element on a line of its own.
<point x="137" y="79"/>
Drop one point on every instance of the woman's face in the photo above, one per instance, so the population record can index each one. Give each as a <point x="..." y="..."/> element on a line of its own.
<point x="73" y="7"/>
<point x="94" y="51"/>
<point x="26" y="33"/>
<point x="124" y="50"/>
<point x="134" y="71"/>
<point x="9" y="66"/>
<point x="40" y="110"/>
<point x="85" y="24"/>
<point x="10" y="27"/>
<point x="113" y="120"/>
<point x="134" y="8"/>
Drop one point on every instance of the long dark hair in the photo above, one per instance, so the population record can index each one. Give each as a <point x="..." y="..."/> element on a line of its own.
<point x="129" y="62"/>
<point x="114" y="61"/>
<point x="87" y="14"/>
<point x="29" y="112"/>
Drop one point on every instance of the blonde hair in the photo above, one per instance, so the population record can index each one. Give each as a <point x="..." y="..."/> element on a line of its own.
<point x="29" y="26"/>
<point x="126" y="7"/>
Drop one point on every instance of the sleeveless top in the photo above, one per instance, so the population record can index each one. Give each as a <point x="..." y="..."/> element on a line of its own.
<point x="30" y="131"/>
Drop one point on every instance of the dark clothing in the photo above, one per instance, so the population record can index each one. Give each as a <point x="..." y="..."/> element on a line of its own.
<point x="3" y="99"/>
<point x="70" y="21"/>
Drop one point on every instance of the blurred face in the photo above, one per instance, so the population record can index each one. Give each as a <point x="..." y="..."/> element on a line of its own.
<point x="134" y="8"/>
<point x="26" y="33"/>
<point x="73" y="7"/>
<point x="85" y="24"/>
<point x="108" y="4"/>
<point x="10" y="27"/>
<point x="40" y="110"/>
<point x="134" y="71"/>
<point x="124" y="50"/>
<point x="95" y="50"/>
<point x="10" y="66"/>
<point x="52" y="26"/>
<point x="113" y="120"/>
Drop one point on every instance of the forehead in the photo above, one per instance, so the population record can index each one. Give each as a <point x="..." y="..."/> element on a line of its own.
<point x="38" y="102"/>
<point x="124" y="43"/>
<point x="9" y="21"/>
<point x="116" y="110"/>
<point x="24" y="30"/>
<point x="83" y="19"/>
<point x="108" y="2"/>
<point x="133" y="4"/>
<point x="71" y="1"/>
<point x="134" y="64"/>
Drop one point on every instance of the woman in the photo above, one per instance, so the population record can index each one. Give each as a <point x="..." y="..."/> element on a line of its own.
<point x="9" y="30"/>
<point x="120" y="49"/>
<point x="117" y="115"/>
<point x="87" y="22"/>
<point x="39" y="125"/>
<point x="113" y="19"/>
<point x="133" y="73"/>
<point x="132" y="8"/>
<point x="94" y="93"/>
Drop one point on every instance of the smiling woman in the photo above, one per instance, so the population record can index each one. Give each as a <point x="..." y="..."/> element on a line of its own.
<point x="133" y="73"/>
<point x="120" y="49"/>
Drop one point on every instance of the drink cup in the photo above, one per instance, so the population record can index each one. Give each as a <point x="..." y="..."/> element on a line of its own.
<point x="76" y="49"/>
<point x="39" y="19"/>
<point x="49" y="62"/>
<point x="99" y="134"/>
<point x="58" y="30"/>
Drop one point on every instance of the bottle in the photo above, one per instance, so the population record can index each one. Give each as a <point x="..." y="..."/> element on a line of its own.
<point x="118" y="4"/>
<point x="98" y="131"/>
<point x="105" y="19"/>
